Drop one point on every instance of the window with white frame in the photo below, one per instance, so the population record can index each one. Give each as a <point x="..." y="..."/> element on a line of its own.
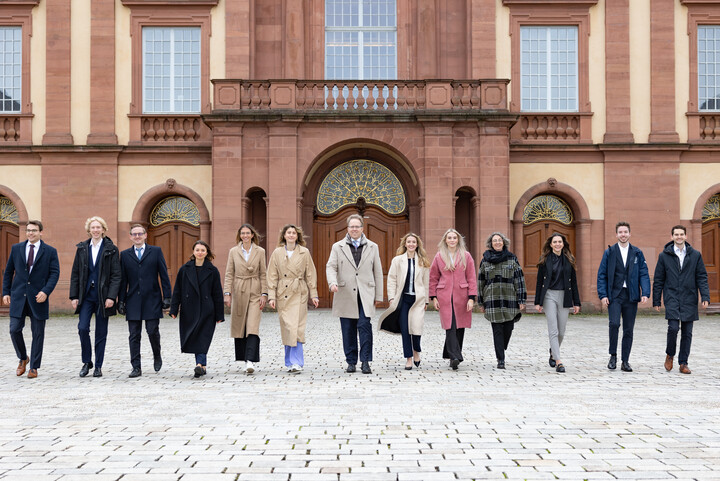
<point x="360" y="39"/>
<point x="708" y="67"/>
<point x="171" y="70"/>
<point x="10" y="69"/>
<point x="549" y="68"/>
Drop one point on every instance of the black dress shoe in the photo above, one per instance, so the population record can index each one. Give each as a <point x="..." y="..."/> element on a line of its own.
<point x="86" y="369"/>
<point x="612" y="363"/>
<point x="199" y="371"/>
<point x="501" y="365"/>
<point x="366" y="368"/>
<point x="560" y="368"/>
<point x="136" y="372"/>
<point x="157" y="364"/>
<point x="454" y="364"/>
<point x="625" y="366"/>
<point x="417" y="363"/>
<point x="350" y="368"/>
<point x="551" y="361"/>
<point x="97" y="372"/>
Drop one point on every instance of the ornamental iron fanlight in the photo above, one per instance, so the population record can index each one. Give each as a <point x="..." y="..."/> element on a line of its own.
<point x="711" y="209"/>
<point x="360" y="179"/>
<point x="547" y="207"/>
<point x="175" y="209"/>
<point x="8" y="211"/>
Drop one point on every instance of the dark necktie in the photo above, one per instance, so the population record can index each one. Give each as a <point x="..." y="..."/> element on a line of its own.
<point x="31" y="257"/>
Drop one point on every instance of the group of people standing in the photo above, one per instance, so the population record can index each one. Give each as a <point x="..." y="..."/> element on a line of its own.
<point x="135" y="283"/>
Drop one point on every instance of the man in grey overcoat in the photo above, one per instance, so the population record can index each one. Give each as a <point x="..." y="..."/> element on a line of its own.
<point x="355" y="277"/>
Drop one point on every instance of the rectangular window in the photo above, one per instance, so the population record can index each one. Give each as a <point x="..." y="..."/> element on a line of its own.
<point x="10" y="69"/>
<point x="549" y="69"/>
<point x="709" y="67"/>
<point x="360" y="39"/>
<point x="171" y="70"/>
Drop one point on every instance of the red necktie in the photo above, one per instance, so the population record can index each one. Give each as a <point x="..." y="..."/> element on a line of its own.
<point x="31" y="256"/>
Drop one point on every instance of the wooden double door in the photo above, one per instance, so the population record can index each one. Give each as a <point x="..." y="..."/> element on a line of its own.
<point x="383" y="229"/>
<point x="711" y="256"/>
<point x="534" y="237"/>
<point x="176" y="240"/>
<point x="9" y="235"/>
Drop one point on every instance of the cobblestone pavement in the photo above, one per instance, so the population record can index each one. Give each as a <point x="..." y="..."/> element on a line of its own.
<point x="527" y="422"/>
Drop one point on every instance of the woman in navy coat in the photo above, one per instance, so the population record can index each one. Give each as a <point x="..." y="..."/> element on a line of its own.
<point x="198" y="297"/>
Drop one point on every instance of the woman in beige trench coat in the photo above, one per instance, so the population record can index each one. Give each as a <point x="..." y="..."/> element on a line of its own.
<point x="407" y="287"/>
<point x="245" y="292"/>
<point x="292" y="279"/>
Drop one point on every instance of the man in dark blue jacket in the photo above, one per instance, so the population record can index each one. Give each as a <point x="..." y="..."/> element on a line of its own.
<point x="679" y="275"/>
<point x="140" y="296"/>
<point x="30" y="277"/>
<point x="622" y="282"/>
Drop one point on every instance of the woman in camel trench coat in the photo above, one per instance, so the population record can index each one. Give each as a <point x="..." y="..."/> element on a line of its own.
<point x="245" y="292"/>
<point x="292" y="280"/>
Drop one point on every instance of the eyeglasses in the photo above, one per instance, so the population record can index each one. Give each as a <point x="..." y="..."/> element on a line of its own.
<point x="136" y="234"/>
<point x="354" y="227"/>
<point x="32" y="230"/>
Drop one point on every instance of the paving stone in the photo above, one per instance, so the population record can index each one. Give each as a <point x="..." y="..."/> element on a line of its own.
<point x="526" y="422"/>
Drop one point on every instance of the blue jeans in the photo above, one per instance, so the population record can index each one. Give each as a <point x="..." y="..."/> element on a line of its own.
<point x="685" y="340"/>
<point x="351" y="329"/>
<point x="621" y="306"/>
<point x="201" y="359"/>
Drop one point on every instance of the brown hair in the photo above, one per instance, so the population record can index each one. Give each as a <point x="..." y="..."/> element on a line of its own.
<point x="255" y="236"/>
<point x="300" y="239"/>
<point x="672" y="231"/>
<point x="37" y="223"/>
<point x="210" y="256"/>
<point x="547" y="250"/>
<point x="135" y="226"/>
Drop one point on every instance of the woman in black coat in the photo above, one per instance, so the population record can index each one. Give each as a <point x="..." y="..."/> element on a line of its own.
<point x="198" y="296"/>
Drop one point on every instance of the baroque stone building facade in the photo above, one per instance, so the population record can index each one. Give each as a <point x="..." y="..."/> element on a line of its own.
<point x="194" y="116"/>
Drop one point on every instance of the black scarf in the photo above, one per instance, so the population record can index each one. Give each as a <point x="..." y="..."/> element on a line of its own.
<point x="495" y="257"/>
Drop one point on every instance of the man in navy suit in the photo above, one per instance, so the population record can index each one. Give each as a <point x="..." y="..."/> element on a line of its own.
<point x="622" y="282"/>
<point x="140" y="296"/>
<point x="30" y="277"/>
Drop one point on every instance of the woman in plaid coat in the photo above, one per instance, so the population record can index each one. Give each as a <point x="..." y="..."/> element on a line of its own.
<point x="501" y="291"/>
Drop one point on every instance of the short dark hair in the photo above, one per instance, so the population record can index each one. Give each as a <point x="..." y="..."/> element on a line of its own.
<point x="136" y="226"/>
<point x="672" y="231"/>
<point x="37" y="223"/>
<point x="622" y="223"/>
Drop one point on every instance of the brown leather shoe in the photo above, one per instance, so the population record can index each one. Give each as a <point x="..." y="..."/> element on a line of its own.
<point x="32" y="373"/>
<point x="21" y="367"/>
<point x="668" y="362"/>
<point x="684" y="369"/>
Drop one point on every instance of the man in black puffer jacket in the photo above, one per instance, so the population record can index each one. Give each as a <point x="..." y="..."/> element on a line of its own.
<point x="679" y="275"/>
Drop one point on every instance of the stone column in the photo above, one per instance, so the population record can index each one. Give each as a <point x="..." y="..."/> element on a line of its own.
<point x="57" y="72"/>
<point x="438" y="213"/>
<point x="282" y="182"/>
<point x="662" y="66"/>
<point x="427" y="42"/>
<point x="102" y="78"/>
<point x="237" y="39"/>
<point x="294" y="44"/>
<point x="494" y="178"/>
<point x="617" y="71"/>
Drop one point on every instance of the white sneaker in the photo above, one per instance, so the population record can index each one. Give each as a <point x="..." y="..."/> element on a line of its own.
<point x="295" y="369"/>
<point x="249" y="367"/>
<point x="298" y="368"/>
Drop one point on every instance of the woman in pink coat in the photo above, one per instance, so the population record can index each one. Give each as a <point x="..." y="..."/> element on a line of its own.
<point x="453" y="289"/>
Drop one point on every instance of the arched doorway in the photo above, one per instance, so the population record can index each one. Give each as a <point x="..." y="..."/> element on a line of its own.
<point x="257" y="215"/>
<point x="544" y="215"/>
<point x="369" y="189"/>
<point x="9" y="235"/>
<point x="465" y="218"/>
<point x="711" y="244"/>
<point x="174" y="227"/>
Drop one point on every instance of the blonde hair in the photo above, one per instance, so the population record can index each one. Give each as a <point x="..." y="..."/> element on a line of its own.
<point x="298" y="229"/>
<point x="445" y="252"/>
<point x="96" y="219"/>
<point x="422" y="256"/>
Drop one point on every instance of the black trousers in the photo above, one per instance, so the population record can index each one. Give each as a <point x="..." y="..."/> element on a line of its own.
<point x="247" y="348"/>
<point x="685" y="340"/>
<point x="501" y="337"/>
<point x="152" y="326"/>
<point x="453" y="340"/>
